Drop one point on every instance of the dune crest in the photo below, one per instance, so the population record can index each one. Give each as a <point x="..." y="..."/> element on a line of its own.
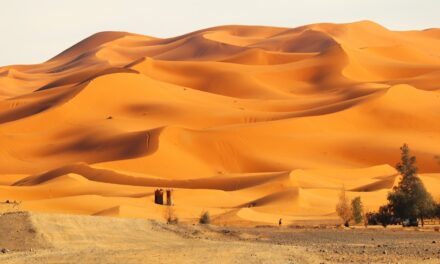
<point x="253" y="123"/>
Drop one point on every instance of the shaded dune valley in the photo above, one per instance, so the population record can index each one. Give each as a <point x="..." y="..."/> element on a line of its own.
<point x="250" y="123"/>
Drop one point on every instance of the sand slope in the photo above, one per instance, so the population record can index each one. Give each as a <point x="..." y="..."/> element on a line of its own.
<point x="54" y="238"/>
<point x="251" y="123"/>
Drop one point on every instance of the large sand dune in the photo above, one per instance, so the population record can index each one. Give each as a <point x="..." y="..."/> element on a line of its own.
<point x="251" y="123"/>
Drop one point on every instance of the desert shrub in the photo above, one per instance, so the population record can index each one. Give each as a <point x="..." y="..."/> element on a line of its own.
<point x="170" y="215"/>
<point x="384" y="216"/>
<point x="205" y="218"/>
<point x="437" y="210"/>
<point x="409" y="199"/>
<point x="343" y="208"/>
<point x="372" y="218"/>
<point x="365" y="218"/>
<point x="356" y="208"/>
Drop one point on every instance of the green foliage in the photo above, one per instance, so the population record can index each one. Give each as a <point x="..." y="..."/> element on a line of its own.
<point x="356" y="208"/>
<point x="437" y="210"/>
<point x="409" y="199"/>
<point x="372" y="218"/>
<point x="384" y="216"/>
<point x="205" y="218"/>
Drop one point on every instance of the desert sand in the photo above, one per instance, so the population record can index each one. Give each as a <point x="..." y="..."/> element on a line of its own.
<point x="250" y="123"/>
<point x="52" y="238"/>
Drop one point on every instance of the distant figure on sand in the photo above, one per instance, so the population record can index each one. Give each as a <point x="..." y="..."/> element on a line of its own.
<point x="280" y="222"/>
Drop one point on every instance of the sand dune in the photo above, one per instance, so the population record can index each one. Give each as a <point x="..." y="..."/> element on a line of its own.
<point x="251" y="123"/>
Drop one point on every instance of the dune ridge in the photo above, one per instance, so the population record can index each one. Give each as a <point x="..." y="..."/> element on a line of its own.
<point x="253" y="123"/>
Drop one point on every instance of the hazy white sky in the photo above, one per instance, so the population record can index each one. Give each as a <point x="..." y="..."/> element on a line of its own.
<point x="35" y="30"/>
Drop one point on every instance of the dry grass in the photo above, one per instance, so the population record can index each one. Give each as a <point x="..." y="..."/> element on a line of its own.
<point x="170" y="215"/>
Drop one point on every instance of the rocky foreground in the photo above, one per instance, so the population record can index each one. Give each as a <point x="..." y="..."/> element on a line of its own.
<point x="359" y="245"/>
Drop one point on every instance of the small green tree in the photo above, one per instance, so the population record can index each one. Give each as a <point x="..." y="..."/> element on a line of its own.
<point x="356" y="208"/>
<point x="343" y="208"/>
<point x="409" y="199"/>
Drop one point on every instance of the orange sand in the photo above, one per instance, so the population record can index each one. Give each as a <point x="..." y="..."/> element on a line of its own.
<point x="228" y="116"/>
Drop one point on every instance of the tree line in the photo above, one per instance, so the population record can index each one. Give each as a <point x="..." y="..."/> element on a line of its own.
<point x="408" y="203"/>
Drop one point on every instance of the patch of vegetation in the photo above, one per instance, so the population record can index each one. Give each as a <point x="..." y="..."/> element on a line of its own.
<point x="343" y="208"/>
<point x="205" y="218"/>
<point x="170" y="215"/>
<point x="409" y="200"/>
<point x="357" y="209"/>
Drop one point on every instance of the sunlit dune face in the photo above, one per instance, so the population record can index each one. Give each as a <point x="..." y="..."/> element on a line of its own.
<point x="250" y="123"/>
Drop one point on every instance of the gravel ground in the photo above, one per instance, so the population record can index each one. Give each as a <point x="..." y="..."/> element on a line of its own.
<point x="357" y="245"/>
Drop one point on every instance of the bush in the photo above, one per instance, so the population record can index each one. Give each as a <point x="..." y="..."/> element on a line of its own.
<point x="372" y="218"/>
<point x="343" y="208"/>
<point x="437" y="210"/>
<point x="170" y="215"/>
<point x="356" y="208"/>
<point x="385" y="217"/>
<point x="205" y="218"/>
<point x="365" y="217"/>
